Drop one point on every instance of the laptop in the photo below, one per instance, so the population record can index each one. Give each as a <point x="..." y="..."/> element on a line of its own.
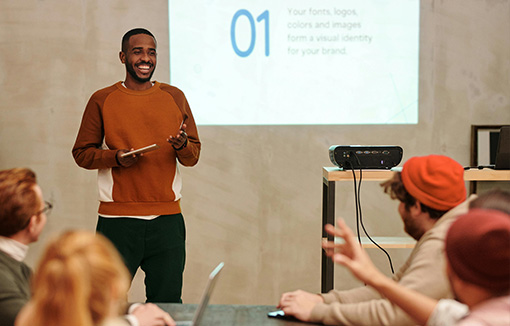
<point x="197" y="317"/>
<point x="503" y="152"/>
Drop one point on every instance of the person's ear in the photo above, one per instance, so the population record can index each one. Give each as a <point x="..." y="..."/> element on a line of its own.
<point x="32" y="225"/>
<point x="122" y="57"/>
<point x="415" y="209"/>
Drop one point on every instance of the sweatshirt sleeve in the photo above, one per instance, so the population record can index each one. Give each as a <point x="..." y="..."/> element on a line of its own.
<point x="359" y="294"/>
<point x="424" y="272"/>
<point x="189" y="155"/>
<point x="374" y="312"/>
<point x="87" y="150"/>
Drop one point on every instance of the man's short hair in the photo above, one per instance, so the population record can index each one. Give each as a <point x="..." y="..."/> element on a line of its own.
<point x="18" y="200"/>
<point x="493" y="199"/>
<point x="134" y="31"/>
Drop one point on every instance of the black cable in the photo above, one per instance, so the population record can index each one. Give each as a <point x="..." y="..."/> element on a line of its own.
<point x="357" y="202"/>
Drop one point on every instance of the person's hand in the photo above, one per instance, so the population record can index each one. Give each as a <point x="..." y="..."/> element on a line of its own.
<point x="179" y="141"/>
<point x="151" y="315"/>
<point x="350" y="253"/>
<point x="299" y="304"/>
<point x="127" y="160"/>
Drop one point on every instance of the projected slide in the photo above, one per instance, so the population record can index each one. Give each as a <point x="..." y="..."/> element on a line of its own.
<point x="280" y="62"/>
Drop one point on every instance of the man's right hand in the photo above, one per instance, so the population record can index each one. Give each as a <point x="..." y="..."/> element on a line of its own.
<point x="126" y="160"/>
<point x="351" y="255"/>
<point x="299" y="304"/>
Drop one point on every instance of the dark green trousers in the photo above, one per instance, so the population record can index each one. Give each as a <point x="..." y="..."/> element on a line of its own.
<point x="156" y="246"/>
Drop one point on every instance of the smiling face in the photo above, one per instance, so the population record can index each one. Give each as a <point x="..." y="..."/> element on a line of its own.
<point x="140" y="59"/>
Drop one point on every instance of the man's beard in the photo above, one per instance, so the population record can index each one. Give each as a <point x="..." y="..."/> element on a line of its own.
<point x="412" y="228"/>
<point x="133" y="74"/>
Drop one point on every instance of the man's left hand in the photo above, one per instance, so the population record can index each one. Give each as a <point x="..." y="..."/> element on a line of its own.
<point x="179" y="141"/>
<point x="151" y="315"/>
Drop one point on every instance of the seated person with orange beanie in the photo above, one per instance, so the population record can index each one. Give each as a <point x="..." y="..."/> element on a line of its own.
<point x="432" y="195"/>
<point x="478" y="267"/>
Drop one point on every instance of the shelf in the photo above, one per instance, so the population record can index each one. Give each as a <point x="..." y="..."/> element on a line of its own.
<point x="332" y="174"/>
<point x="335" y="174"/>
<point x="389" y="242"/>
<point x="486" y="175"/>
<point x="384" y="242"/>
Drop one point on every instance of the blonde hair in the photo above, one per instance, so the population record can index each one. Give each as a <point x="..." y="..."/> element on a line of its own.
<point x="79" y="279"/>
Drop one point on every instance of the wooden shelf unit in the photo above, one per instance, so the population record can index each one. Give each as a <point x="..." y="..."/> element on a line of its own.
<point x="330" y="175"/>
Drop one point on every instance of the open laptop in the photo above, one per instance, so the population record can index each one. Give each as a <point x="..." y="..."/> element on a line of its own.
<point x="503" y="152"/>
<point x="197" y="317"/>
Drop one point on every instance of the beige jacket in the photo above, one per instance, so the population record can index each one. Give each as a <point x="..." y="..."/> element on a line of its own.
<point x="424" y="271"/>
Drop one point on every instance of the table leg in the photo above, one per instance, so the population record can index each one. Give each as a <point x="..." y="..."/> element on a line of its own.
<point x="328" y="216"/>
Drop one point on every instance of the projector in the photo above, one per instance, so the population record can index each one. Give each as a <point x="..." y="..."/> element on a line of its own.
<point x="365" y="157"/>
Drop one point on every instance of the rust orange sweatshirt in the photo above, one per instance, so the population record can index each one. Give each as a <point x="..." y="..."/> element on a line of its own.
<point x="118" y="118"/>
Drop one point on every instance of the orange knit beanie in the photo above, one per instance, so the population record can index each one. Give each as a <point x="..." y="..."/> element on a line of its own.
<point x="436" y="181"/>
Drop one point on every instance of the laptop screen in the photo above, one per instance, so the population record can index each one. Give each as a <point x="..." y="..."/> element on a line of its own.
<point x="213" y="277"/>
<point x="503" y="152"/>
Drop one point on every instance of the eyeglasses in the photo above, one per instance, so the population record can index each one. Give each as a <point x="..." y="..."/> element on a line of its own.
<point x="47" y="208"/>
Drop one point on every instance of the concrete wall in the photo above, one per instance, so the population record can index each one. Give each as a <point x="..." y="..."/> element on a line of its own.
<point x="254" y="199"/>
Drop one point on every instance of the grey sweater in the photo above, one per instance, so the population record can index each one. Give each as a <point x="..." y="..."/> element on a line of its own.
<point x="14" y="288"/>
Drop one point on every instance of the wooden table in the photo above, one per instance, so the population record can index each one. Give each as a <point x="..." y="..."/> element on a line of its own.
<point x="332" y="174"/>
<point x="239" y="315"/>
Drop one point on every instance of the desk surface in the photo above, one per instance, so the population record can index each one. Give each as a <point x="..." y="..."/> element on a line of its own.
<point x="335" y="174"/>
<point x="239" y="315"/>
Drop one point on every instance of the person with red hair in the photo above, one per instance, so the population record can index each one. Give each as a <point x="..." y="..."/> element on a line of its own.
<point x="23" y="215"/>
<point x="80" y="281"/>
<point x="22" y="219"/>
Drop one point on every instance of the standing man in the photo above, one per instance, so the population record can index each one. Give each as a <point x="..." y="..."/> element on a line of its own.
<point x="432" y="195"/>
<point x="139" y="195"/>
